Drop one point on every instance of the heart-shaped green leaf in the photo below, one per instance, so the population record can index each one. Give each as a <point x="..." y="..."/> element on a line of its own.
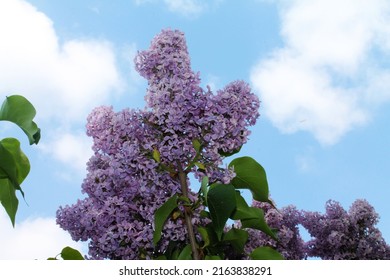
<point x="251" y="217"/>
<point x="243" y="211"/>
<point x="221" y="201"/>
<point x="14" y="168"/>
<point x="14" y="164"/>
<point x="258" y="223"/>
<point x="250" y="175"/>
<point x="19" y="110"/>
<point x="69" y="253"/>
<point x="162" y="215"/>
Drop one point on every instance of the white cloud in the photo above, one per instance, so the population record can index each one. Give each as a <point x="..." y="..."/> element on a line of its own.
<point x="297" y="97"/>
<point x="34" y="238"/>
<point x="64" y="81"/>
<point x="187" y="8"/>
<point x="378" y="86"/>
<point x="321" y="80"/>
<point x="128" y="53"/>
<point x="71" y="149"/>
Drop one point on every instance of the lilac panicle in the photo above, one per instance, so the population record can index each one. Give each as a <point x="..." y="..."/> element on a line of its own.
<point x="335" y="235"/>
<point x="125" y="184"/>
<point x="184" y="111"/>
<point x="341" y="235"/>
<point x="285" y="221"/>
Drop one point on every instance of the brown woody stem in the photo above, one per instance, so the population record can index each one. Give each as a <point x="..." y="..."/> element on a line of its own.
<point x="188" y="213"/>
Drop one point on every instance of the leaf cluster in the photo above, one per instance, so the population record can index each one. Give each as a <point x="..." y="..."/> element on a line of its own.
<point x="14" y="164"/>
<point x="224" y="202"/>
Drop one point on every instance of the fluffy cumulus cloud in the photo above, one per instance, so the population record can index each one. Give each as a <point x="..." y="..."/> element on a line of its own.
<point x="327" y="76"/>
<point x="72" y="149"/>
<point x="64" y="80"/>
<point x="35" y="238"/>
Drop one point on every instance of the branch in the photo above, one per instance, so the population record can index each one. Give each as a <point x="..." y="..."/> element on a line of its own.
<point x="188" y="213"/>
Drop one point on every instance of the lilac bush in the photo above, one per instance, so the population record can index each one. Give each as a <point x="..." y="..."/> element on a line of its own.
<point x="340" y="235"/>
<point x="142" y="158"/>
<point x="139" y="154"/>
<point x="335" y="235"/>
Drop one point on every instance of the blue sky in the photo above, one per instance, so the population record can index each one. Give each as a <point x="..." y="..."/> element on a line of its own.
<point x="319" y="67"/>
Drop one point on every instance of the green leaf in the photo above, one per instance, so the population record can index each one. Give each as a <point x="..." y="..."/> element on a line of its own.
<point x="200" y="165"/>
<point x="172" y="250"/>
<point x="184" y="199"/>
<point x="250" y="175"/>
<point x="221" y="200"/>
<point x="156" y="155"/>
<point x="205" y="236"/>
<point x="69" y="253"/>
<point x="175" y="254"/>
<point x="215" y="258"/>
<point x="208" y="235"/>
<point x="205" y="214"/>
<point x="8" y="199"/>
<point x="14" y="168"/>
<point x="251" y="217"/>
<point x="14" y="164"/>
<point x="265" y="253"/>
<point x="237" y="238"/>
<point x="186" y="253"/>
<point x="258" y="223"/>
<point x="19" y="110"/>
<point x="204" y="188"/>
<point x="243" y="211"/>
<point x="162" y="215"/>
<point x="197" y="145"/>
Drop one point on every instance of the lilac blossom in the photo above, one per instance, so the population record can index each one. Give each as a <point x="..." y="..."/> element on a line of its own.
<point x="125" y="184"/>
<point x="285" y="221"/>
<point x="340" y="235"/>
<point x="183" y="111"/>
<point x="336" y="235"/>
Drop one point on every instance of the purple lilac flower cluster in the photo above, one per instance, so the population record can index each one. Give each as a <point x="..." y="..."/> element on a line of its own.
<point x="183" y="111"/>
<point x="123" y="189"/>
<point x="335" y="235"/>
<point x="340" y="235"/>
<point x="286" y="221"/>
<point x="125" y="183"/>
